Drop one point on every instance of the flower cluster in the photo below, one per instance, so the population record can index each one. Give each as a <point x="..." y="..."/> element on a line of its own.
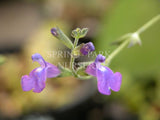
<point x="106" y="79"/>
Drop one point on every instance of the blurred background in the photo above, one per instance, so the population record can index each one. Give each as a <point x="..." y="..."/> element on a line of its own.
<point x="25" y="29"/>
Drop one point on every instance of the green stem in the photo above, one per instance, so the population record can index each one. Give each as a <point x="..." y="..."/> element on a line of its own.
<point x="125" y="42"/>
<point x="75" y="42"/>
<point x="116" y="51"/>
<point x="148" y="24"/>
<point x="121" y="39"/>
<point x="72" y="58"/>
<point x="72" y="66"/>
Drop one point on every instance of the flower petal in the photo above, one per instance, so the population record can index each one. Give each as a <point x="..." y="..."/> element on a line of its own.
<point x="39" y="76"/>
<point x="91" y="69"/>
<point x="27" y="83"/>
<point x="116" y="81"/>
<point x="103" y="79"/>
<point x="38" y="58"/>
<point x="52" y="71"/>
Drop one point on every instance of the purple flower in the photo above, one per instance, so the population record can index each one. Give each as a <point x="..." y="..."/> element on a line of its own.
<point x="36" y="79"/>
<point x="88" y="47"/>
<point x="106" y="79"/>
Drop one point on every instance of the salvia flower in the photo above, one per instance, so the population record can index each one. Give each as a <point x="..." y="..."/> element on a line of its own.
<point x="88" y="47"/>
<point x="106" y="79"/>
<point x="36" y="79"/>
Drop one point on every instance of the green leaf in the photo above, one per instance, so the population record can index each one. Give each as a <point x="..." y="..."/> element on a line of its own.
<point x="64" y="39"/>
<point x="82" y="74"/>
<point x="65" y="72"/>
<point x="83" y="32"/>
<point x="81" y="71"/>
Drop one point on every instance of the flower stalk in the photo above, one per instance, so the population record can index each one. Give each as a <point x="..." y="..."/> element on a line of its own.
<point x="148" y="24"/>
<point x="116" y="51"/>
<point x="131" y="39"/>
<point x="72" y="59"/>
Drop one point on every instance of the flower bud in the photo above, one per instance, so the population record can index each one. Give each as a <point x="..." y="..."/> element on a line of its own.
<point x="134" y="39"/>
<point x="100" y="58"/>
<point x="62" y="37"/>
<point x="54" y="32"/>
<point x="88" y="47"/>
<point x="79" y="33"/>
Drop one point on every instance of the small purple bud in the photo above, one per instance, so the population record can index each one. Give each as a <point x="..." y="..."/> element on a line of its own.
<point x="88" y="47"/>
<point x="100" y="58"/>
<point x="54" y="32"/>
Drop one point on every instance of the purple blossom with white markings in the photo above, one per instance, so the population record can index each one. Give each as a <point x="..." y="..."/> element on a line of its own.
<point x="36" y="79"/>
<point x="88" y="47"/>
<point x="106" y="79"/>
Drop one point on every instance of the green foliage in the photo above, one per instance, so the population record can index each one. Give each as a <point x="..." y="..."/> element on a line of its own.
<point x="64" y="39"/>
